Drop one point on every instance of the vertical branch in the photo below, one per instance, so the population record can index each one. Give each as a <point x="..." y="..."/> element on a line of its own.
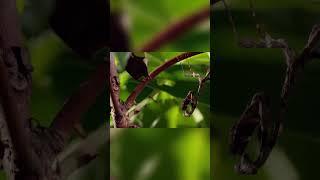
<point x="119" y="110"/>
<point x="15" y="101"/>
<point x="6" y="147"/>
<point x="19" y="134"/>
<point x="10" y="34"/>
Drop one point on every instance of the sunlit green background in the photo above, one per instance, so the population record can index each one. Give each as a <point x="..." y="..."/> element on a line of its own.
<point x="239" y="73"/>
<point x="58" y="72"/>
<point x="168" y="90"/>
<point x="145" y="19"/>
<point x="158" y="154"/>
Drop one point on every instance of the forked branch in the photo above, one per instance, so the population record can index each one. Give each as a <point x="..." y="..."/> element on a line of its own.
<point x="120" y="109"/>
<point x="130" y="100"/>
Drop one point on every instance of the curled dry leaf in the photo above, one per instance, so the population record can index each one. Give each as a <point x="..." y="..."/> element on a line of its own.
<point x="189" y="104"/>
<point x="255" y="116"/>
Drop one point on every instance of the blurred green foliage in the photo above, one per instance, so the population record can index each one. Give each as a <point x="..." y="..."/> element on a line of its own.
<point x="168" y="90"/>
<point x="157" y="154"/>
<point x="146" y="18"/>
<point x="58" y="73"/>
<point x="239" y="73"/>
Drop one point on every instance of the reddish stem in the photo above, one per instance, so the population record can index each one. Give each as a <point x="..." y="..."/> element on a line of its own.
<point x="153" y="74"/>
<point x="175" y="30"/>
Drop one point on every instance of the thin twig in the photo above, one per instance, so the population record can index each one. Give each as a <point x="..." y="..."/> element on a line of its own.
<point x="235" y="33"/>
<point x="190" y="102"/>
<point x="203" y="80"/>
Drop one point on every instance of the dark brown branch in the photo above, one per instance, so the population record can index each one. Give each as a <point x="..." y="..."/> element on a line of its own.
<point x="15" y="121"/>
<point x="15" y="104"/>
<point x="120" y="119"/>
<point x="175" y="30"/>
<point x="130" y="100"/>
<point x="10" y="34"/>
<point x="79" y="103"/>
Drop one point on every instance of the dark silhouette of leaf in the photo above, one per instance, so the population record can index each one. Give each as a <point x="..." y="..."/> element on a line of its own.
<point x="119" y="40"/>
<point x="136" y="67"/>
<point x="255" y="116"/>
<point x="82" y="25"/>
